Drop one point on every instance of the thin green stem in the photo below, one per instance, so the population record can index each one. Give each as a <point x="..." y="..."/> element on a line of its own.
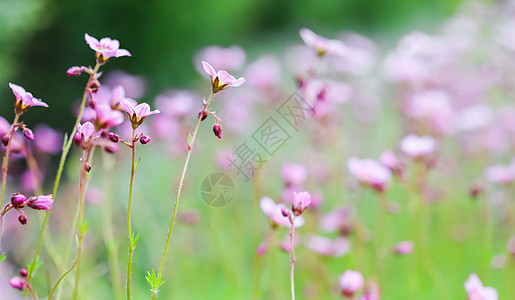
<point x="5" y="162"/>
<point x="60" y="279"/>
<point x="129" y="229"/>
<point x="68" y="141"/>
<point x="80" y="223"/>
<point x="179" y="190"/>
<point x="292" y="258"/>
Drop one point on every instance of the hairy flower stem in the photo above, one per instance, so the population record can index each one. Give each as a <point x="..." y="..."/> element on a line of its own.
<point x="5" y="162"/>
<point x="68" y="141"/>
<point x="80" y="224"/>
<point x="179" y="190"/>
<point x="292" y="257"/>
<point x="129" y="229"/>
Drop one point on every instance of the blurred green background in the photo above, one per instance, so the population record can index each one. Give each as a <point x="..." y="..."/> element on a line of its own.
<point x="40" y="39"/>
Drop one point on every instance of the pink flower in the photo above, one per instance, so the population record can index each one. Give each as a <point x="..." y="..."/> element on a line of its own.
<point x="86" y="135"/>
<point x="274" y="211"/>
<point x="500" y="174"/>
<point x="137" y="114"/>
<point x="18" y="200"/>
<point x="325" y="246"/>
<point x="300" y="202"/>
<point x="43" y="202"/>
<point x="75" y="71"/>
<point x="476" y="290"/>
<point x="294" y="174"/>
<point x="336" y="219"/>
<point x="106" y="117"/>
<point x="18" y="283"/>
<point x="24" y="99"/>
<point x="370" y="172"/>
<point x="404" y="248"/>
<point x="221" y="79"/>
<point x="418" y="146"/>
<point x="230" y="58"/>
<point x="48" y="140"/>
<point x="388" y="160"/>
<point x="351" y="282"/>
<point x="322" y="45"/>
<point x="106" y="48"/>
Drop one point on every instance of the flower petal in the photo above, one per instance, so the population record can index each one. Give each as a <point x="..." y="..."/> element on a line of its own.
<point x="209" y="69"/>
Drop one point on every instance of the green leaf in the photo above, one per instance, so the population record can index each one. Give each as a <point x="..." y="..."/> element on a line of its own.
<point x="154" y="281"/>
<point x="2" y="257"/>
<point x="136" y="164"/>
<point x="35" y="265"/>
<point x="83" y="227"/>
<point x="190" y="141"/>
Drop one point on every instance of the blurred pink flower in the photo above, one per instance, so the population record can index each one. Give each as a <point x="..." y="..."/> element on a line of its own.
<point x="476" y="290"/>
<point x="47" y="139"/>
<point x="325" y="246"/>
<point x="221" y="79"/>
<point x="18" y="283"/>
<point x="230" y="58"/>
<point x="137" y="114"/>
<point x="264" y="73"/>
<point x="273" y="210"/>
<point x="404" y="248"/>
<point x="322" y="45"/>
<point x="294" y="174"/>
<point x="134" y="86"/>
<point x="388" y="160"/>
<point x="106" y="117"/>
<point x="433" y="106"/>
<point x="351" y="282"/>
<point x="177" y="103"/>
<point x="418" y="146"/>
<point x="106" y="47"/>
<point x="370" y="172"/>
<point x="336" y="219"/>
<point x="500" y="174"/>
<point x="24" y="99"/>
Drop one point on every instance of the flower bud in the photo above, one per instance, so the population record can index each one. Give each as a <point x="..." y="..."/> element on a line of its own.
<point x="75" y="71"/>
<point x="24" y="273"/>
<point x="111" y="148"/>
<point x="285" y="212"/>
<point x="202" y="115"/>
<point x="404" y="248"/>
<point x="300" y="202"/>
<point x="351" y="282"/>
<point x="18" y="283"/>
<point x="87" y="167"/>
<point x="145" y="139"/>
<point x="217" y="130"/>
<point x="5" y="140"/>
<point x="77" y="139"/>
<point x="22" y="219"/>
<point x="43" y="202"/>
<point x="114" y="137"/>
<point x="28" y="134"/>
<point x="18" y="200"/>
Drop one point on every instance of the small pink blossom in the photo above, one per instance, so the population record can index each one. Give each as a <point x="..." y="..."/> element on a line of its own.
<point x="476" y="290"/>
<point x="43" y="202"/>
<point x="106" y="117"/>
<point x="294" y="174"/>
<point x="418" y="146"/>
<point x="86" y="134"/>
<point x="137" y="114"/>
<point x="221" y="79"/>
<point x="274" y="211"/>
<point x="24" y="99"/>
<point x="322" y="45"/>
<point x="388" y="160"/>
<point x="351" y="282"/>
<point x="47" y="139"/>
<point x="300" y="202"/>
<point x="18" y="283"/>
<point x="370" y="172"/>
<point x="106" y="47"/>
<point x="230" y="58"/>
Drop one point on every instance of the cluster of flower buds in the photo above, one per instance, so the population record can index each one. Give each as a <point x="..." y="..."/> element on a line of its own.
<point x="19" y="201"/>
<point x="20" y="282"/>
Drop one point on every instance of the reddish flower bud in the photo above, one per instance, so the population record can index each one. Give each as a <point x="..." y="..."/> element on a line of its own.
<point x="75" y="71"/>
<point x="87" y="167"/>
<point x="22" y="219"/>
<point x="114" y="137"/>
<point x="217" y="130"/>
<point x="5" y="140"/>
<point x="145" y="139"/>
<point x="24" y="273"/>
<point x="285" y="212"/>
<point x="202" y="115"/>
<point x="28" y="134"/>
<point x="111" y="148"/>
<point x="18" y="200"/>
